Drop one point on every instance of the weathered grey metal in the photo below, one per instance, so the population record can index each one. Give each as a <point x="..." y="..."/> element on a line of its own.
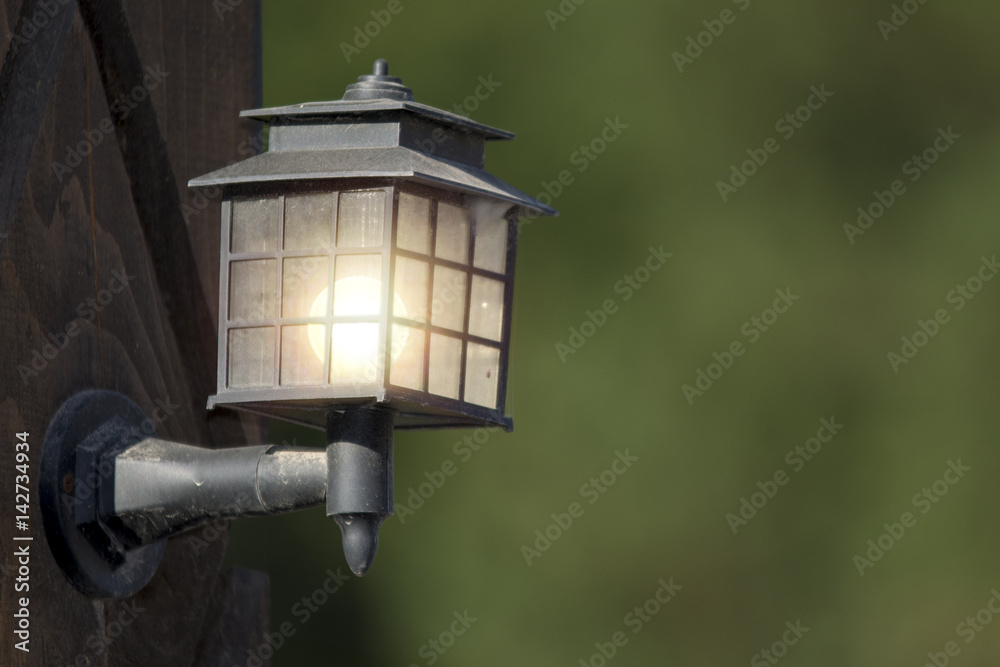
<point x="111" y="494"/>
<point x="388" y="136"/>
<point x="162" y="487"/>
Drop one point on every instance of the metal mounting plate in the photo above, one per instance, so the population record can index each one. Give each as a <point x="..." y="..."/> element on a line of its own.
<point x="88" y="428"/>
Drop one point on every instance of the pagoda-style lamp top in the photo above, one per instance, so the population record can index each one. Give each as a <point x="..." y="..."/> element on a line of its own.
<point x="368" y="256"/>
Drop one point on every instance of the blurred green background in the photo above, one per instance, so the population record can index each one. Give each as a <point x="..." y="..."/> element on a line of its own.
<point x="826" y="357"/>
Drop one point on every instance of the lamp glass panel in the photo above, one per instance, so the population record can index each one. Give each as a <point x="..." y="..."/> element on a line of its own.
<point x="486" y="308"/>
<point x="411" y="287"/>
<point x="303" y="279"/>
<point x="252" y="290"/>
<point x="360" y="219"/>
<point x="452" y="240"/>
<point x="482" y="367"/>
<point x="251" y="357"/>
<point x="357" y="285"/>
<point x="491" y="244"/>
<point x="354" y="349"/>
<point x="309" y="221"/>
<point x="301" y="361"/>
<point x="448" y="303"/>
<point x="445" y="366"/>
<point x="255" y="225"/>
<point x="407" y="355"/>
<point x="413" y="223"/>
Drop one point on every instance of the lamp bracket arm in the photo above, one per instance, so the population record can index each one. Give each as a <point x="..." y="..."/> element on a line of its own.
<point x="160" y="488"/>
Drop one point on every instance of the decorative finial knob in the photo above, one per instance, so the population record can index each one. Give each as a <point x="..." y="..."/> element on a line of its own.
<point x="378" y="85"/>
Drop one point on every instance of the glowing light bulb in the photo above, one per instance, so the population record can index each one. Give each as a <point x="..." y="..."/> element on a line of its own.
<point x="357" y="344"/>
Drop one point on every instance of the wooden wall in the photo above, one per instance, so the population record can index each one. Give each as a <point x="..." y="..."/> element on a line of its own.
<point x="143" y="96"/>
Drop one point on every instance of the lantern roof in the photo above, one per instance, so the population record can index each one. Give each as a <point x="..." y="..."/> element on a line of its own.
<point x="376" y="131"/>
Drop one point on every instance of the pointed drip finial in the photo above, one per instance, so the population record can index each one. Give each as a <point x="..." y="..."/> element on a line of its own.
<point x="378" y="85"/>
<point x="359" y="533"/>
<point x="359" y="478"/>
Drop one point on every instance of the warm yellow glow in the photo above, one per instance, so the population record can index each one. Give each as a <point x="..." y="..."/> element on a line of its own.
<point x="355" y="295"/>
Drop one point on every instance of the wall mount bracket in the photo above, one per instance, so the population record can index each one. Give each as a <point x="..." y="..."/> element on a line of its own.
<point x="112" y="492"/>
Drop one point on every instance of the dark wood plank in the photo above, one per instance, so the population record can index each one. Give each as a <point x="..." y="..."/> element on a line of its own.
<point x="73" y="230"/>
<point x="29" y="69"/>
<point x="152" y="183"/>
<point x="236" y="619"/>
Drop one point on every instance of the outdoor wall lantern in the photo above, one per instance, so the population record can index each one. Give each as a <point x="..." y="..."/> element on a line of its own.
<point x="367" y="271"/>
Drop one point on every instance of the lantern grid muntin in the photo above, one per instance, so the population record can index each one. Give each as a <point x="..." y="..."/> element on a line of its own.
<point x="307" y="404"/>
<point x="383" y="142"/>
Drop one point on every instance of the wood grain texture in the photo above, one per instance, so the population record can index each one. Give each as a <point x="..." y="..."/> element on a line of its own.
<point x="77" y="234"/>
<point x="26" y="80"/>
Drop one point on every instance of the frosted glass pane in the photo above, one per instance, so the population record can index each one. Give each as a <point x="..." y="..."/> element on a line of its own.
<point x="361" y="219"/>
<point x="309" y="221"/>
<point x="452" y="233"/>
<point x="413" y="223"/>
<point x="482" y="365"/>
<point x="448" y="304"/>
<point x="446" y="364"/>
<point x="302" y="354"/>
<point x="412" y="283"/>
<point x="407" y="355"/>
<point x="486" y="308"/>
<point x="251" y="357"/>
<point x="491" y="243"/>
<point x="354" y="352"/>
<point x="357" y="285"/>
<point x="253" y="290"/>
<point x="305" y="286"/>
<point x="255" y="225"/>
